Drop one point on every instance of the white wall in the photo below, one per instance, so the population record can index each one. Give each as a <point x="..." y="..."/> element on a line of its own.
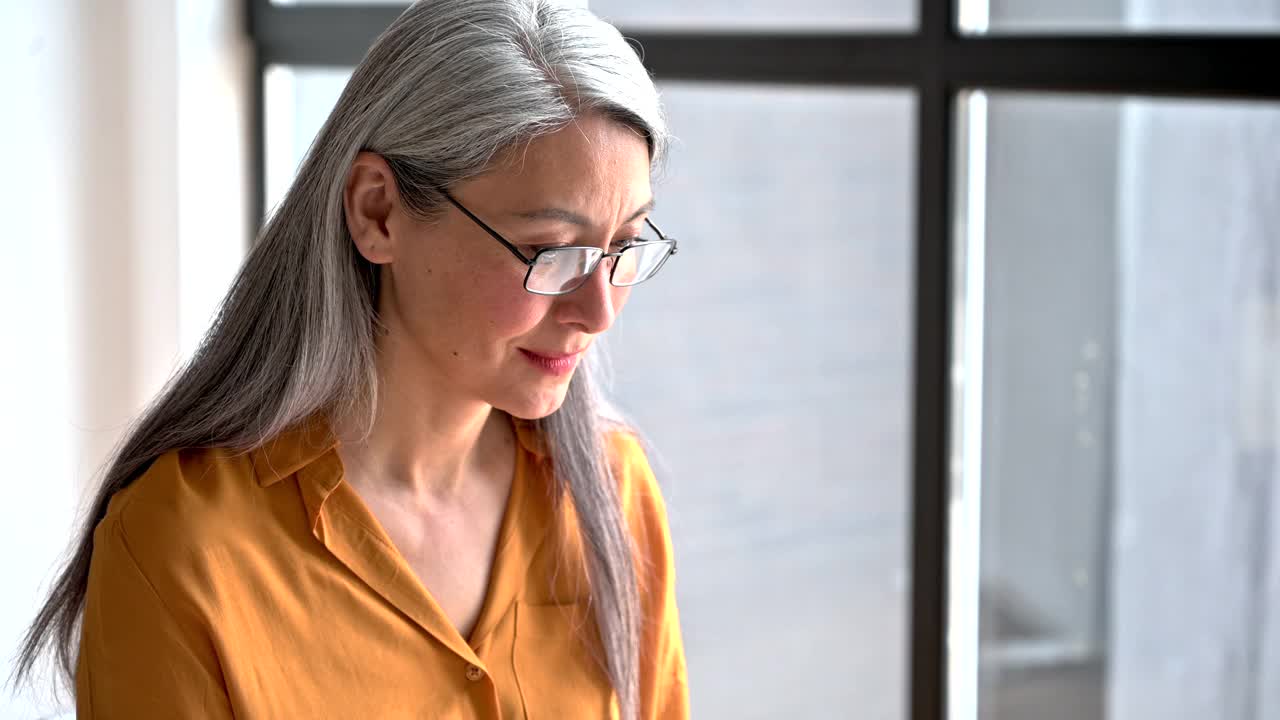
<point x="125" y="207"/>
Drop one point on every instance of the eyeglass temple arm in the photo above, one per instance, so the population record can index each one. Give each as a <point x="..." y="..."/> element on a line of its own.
<point x="519" y="255"/>
<point x="662" y="236"/>
<point x="512" y="248"/>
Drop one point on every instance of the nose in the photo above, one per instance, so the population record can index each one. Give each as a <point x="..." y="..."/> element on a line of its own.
<point x="592" y="307"/>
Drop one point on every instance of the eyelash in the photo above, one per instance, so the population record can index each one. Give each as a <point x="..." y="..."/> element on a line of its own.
<point x="533" y="249"/>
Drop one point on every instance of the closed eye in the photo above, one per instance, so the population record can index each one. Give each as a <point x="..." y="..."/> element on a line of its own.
<point x="615" y="246"/>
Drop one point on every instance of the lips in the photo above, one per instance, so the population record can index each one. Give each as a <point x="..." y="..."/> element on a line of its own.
<point x="554" y="355"/>
<point x="553" y="362"/>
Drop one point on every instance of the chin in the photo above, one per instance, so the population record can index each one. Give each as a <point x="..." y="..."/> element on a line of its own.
<point x="535" y="406"/>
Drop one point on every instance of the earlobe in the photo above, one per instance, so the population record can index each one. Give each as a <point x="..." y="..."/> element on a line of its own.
<point x="368" y="201"/>
<point x="373" y="252"/>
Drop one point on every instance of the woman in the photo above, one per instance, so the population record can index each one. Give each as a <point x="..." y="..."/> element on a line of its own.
<point x="384" y="486"/>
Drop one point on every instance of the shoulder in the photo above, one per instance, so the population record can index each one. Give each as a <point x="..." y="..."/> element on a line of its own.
<point x="186" y="484"/>
<point x="181" y="505"/>
<point x="642" y="498"/>
<point x="630" y="463"/>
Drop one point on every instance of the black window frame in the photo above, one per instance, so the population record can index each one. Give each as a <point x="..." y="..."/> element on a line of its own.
<point x="937" y="63"/>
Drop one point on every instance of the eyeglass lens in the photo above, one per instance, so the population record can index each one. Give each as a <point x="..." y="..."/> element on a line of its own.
<point x="563" y="270"/>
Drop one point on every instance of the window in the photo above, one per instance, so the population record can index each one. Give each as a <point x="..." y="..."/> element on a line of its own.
<point x="1120" y="332"/>
<point x="1030" y="270"/>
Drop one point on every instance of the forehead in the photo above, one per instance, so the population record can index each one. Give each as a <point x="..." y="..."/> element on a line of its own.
<point x="590" y="166"/>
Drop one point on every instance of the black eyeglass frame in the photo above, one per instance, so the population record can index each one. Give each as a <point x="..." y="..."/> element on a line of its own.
<point x="532" y="262"/>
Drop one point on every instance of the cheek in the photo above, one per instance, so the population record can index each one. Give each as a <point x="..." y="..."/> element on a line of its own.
<point x="486" y="295"/>
<point x="503" y="310"/>
<point x="461" y="307"/>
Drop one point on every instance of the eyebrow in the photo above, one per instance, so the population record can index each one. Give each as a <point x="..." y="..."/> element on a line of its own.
<point x="573" y="218"/>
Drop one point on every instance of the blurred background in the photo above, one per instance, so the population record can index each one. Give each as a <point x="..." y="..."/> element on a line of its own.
<point x="963" y="390"/>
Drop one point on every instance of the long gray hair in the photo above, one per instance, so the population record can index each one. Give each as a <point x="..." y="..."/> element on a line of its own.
<point x="449" y="87"/>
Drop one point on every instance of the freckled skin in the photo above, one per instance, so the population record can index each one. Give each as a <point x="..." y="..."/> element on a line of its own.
<point x="452" y="297"/>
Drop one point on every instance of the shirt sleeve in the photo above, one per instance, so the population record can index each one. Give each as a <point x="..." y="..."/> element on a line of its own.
<point x="138" y="658"/>
<point x="664" y="685"/>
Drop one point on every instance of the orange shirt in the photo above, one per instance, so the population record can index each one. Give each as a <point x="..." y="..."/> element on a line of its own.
<point x="259" y="585"/>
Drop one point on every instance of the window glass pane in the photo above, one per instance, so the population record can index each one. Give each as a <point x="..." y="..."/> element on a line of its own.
<point x="726" y="14"/>
<point x="1110" y="16"/>
<point x="400" y="3"/>
<point x="769" y="363"/>
<point x="297" y="101"/>
<point x="759" y="14"/>
<point x="1120" y="400"/>
<point x="735" y="14"/>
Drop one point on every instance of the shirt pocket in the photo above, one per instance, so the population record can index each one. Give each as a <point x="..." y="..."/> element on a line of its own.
<point x="560" y="664"/>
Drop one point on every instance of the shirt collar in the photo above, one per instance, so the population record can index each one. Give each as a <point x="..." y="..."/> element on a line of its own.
<point x="353" y="535"/>
<point x="292" y="450"/>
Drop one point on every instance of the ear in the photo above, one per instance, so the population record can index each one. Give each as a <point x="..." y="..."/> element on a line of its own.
<point x="370" y="199"/>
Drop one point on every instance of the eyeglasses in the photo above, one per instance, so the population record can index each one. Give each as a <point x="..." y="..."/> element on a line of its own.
<point x="561" y="270"/>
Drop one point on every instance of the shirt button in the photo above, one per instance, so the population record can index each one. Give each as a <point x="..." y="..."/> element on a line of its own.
<point x="474" y="673"/>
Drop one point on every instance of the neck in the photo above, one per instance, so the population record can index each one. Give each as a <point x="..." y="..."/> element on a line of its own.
<point x="428" y="444"/>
